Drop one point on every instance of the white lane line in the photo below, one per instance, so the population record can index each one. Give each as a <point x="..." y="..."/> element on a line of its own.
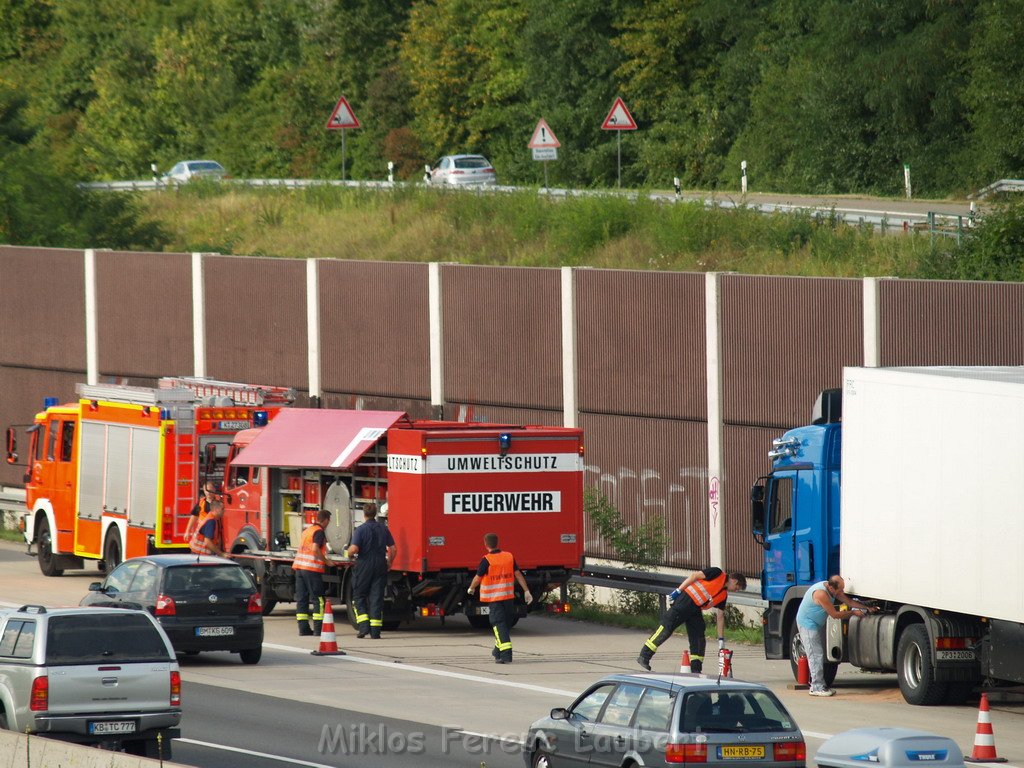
<point x="428" y="671"/>
<point x="251" y="753"/>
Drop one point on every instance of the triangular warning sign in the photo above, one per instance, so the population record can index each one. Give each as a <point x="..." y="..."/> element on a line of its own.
<point x="342" y="116"/>
<point x="542" y="136"/>
<point x="619" y="118"/>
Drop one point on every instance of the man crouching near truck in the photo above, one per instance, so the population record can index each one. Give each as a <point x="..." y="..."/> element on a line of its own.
<point x="816" y="606"/>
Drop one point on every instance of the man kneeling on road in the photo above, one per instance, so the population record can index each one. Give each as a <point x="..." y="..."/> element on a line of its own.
<point x="700" y="591"/>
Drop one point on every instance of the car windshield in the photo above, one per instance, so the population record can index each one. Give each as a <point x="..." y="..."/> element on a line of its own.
<point x="734" y="711"/>
<point x="470" y="163"/>
<point x="205" y="578"/>
<point x="105" y="638"/>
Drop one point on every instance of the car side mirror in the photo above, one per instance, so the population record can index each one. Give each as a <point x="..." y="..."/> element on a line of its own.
<point x="96" y="586"/>
<point x="559" y="713"/>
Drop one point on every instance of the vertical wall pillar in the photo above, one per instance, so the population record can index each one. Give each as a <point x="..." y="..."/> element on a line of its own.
<point x="313" y="329"/>
<point x="716" y="459"/>
<point x="198" y="317"/>
<point x="872" y="324"/>
<point x="570" y="367"/>
<point x="436" y="339"/>
<point x="92" y="374"/>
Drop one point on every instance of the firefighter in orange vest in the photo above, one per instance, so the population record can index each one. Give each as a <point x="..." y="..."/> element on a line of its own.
<point x="211" y="493"/>
<point x="701" y="591"/>
<point x="309" y="565"/>
<point x="496" y="576"/>
<point x="207" y="539"/>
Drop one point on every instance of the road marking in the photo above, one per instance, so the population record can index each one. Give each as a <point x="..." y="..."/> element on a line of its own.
<point x="428" y="671"/>
<point x="239" y="750"/>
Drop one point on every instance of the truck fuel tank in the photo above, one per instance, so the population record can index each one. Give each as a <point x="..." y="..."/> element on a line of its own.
<point x="868" y="641"/>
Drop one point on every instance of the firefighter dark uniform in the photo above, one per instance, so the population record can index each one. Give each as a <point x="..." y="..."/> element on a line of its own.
<point x="497" y="591"/>
<point x="208" y="528"/>
<point x="371" y="576"/>
<point x="688" y="609"/>
<point x="309" y="567"/>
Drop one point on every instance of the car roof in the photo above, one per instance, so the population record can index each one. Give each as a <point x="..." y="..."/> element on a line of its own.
<point x="201" y="161"/>
<point x="184" y="558"/>
<point x="31" y="610"/>
<point x="462" y="157"/>
<point x="683" y="681"/>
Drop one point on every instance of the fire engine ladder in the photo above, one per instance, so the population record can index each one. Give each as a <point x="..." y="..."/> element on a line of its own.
<point x="240" y="394"/>
<point x="185" y="464"/>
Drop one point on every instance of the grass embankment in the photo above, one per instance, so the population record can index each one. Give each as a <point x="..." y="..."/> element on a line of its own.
<point x="8" y="535"/>
<point x="735" y="631"/>
<point x="523" y="229"/>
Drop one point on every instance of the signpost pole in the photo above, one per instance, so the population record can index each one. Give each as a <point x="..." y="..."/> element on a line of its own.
<point x="545" y="174"/>
<point x="342" y="154"/>
<point x="618" y="164"/>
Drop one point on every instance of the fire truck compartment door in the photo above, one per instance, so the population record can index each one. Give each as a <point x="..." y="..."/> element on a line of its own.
<point x="317" y="438"/>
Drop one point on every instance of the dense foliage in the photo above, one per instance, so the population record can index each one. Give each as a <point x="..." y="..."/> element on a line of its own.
<point x="816" y="95"/>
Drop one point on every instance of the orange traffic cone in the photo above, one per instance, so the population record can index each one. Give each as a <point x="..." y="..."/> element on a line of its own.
<point x="684" y="663"/>
<point x="984" y="740"/>
<point x="328" y="643"/>
<point x="803" y="675"/>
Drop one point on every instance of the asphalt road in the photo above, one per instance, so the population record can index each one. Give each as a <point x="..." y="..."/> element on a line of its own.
<point x="433" y="680"/>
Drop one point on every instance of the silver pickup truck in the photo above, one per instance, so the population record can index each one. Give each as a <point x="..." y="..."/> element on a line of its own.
<point x="100" y="676"/>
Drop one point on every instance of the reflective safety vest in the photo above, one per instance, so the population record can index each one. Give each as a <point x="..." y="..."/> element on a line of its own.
<point x="707" y="593"/>
<point x="309" y="556"/>
<point x="198" y="543"/>
<point x="499" y="581"/>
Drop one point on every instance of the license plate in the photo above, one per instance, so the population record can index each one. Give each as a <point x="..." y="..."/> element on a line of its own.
<point x="954" y="655"/>
<point x="744" y="752"/>
<point x="483" y="610"/>
<point x="112" y="726"/>
<point x="214" y="631"/>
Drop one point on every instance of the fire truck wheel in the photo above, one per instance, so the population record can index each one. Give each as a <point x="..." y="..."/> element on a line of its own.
<point x="267" y="597"/>
<point x="44" y="545"/>
<point x="112" y="551"/>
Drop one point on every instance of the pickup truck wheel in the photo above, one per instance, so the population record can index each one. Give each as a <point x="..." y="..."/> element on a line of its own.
<point x="915" y="669"/>
<point x="112" y="551"/>
<point x="251" y="655"/>
<point x="796" y="650"/>
<point x="44" y="547"/>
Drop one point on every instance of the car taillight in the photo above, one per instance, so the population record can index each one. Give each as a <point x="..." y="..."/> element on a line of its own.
<point x="175" y="689"/>
<point x="686" y="753"/>
<point x="790" y="752"/>
<point x="165" y="606"/>
<point x="40" y="700"/>
<point x="255" y="604"/>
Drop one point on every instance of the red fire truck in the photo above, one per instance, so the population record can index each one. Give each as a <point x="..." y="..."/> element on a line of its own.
<point x="439" y="485"/>
<point x="116" y="474"/>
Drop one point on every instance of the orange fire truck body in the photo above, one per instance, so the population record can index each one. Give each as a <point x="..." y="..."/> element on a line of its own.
<point x="116" y="474"/>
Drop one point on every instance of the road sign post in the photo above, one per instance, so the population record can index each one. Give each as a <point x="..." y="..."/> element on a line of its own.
<point x="342" y="117"/>
<point x="544" y="146"/>
<point x="619" y="119"/>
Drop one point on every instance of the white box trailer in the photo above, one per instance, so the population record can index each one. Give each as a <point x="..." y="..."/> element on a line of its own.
<point x="932" y="488"/>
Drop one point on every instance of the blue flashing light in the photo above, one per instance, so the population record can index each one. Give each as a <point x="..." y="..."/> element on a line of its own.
<point x="504" y="443"/>
<point x="49" y="402"/>
<point x="260" y="418"/>
<point x="165" y="414"/>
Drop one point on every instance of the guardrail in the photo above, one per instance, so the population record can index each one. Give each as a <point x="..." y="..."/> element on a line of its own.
<point x="895" y="221"/>
<point x="1003" y="185"/>
<point x="647" y="581"/>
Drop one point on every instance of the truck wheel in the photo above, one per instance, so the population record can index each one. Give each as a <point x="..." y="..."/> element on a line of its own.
<point x="112" y="551"/>
<point x="796" y="650"/>
<point x="915" y="669"/>
<point x="479" y="622"/>
<point x="44" y="546"/>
